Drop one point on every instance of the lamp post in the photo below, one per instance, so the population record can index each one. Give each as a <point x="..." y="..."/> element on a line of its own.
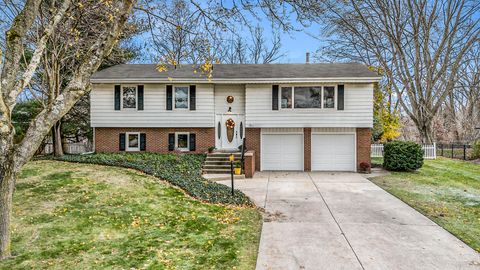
<point x="232" y="158"/>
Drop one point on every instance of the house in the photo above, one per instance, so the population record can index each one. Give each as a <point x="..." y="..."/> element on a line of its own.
<point x="301" y="117"/>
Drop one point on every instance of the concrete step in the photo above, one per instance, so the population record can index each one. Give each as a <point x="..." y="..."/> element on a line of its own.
<point x="217" y="154"/>
<point x="220" y="177"/>
<point x="215" y="171"/>
<point x="216" y="166"/>
<point x="218" y="158"/>
<point x="217" y="162"/>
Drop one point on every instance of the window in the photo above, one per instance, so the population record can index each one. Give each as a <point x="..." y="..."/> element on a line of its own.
<point x="182" y="141"/>
<point x="286" y="99"/>
<point x="307" y="97"/>
<point x="328" y="97"/>
<point x="133" y="141"/>
<point x="181" y="97"/>
<point x="129" y="100"/>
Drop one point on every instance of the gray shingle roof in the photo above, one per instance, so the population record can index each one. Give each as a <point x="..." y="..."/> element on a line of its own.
<point x="149" y="72"/>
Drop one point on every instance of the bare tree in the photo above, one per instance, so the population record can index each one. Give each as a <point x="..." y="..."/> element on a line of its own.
<point x="14" y="81"/>
<point x="183" y="31"/>
<point x="461" y="112"/>
<point x="420" y="46"/>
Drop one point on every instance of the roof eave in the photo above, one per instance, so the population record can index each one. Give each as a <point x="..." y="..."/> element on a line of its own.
<point x="239" y="80"/>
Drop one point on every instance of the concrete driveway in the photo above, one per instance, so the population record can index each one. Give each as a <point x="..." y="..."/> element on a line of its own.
<point x="343" y="221"/>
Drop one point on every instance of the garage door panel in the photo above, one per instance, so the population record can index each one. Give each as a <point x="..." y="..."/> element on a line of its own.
<point x="333" y="152"/>
<point x="282" y="152"/>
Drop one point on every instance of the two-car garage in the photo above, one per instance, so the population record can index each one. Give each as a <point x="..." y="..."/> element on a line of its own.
<point x="331" y="149"/>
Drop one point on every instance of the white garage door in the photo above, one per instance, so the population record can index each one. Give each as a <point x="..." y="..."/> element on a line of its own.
<point x="282" y="152"/>
<point x="333" y="152"/>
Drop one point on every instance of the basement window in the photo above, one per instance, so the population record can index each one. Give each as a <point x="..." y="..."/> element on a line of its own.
<point x="182" y="141"/>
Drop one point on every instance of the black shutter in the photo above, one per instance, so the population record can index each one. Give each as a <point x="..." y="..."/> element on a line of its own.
<point x="169" y="97"/>
<point x="117" y="97"/>
<point x="193" y="96"/>
<point x="171" y="141"/>
<point x="341" y="94"/>
<point x="143" y="141"/>
<point x="121" y="142"/>
<point x="192" y="142"/>
<point x="140" y="97"/>
<point x="275" y="97"/>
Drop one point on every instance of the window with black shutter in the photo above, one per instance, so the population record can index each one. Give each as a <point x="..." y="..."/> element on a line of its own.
<point x="275" y="97"/>
<point x="117" y="97"/>
<point x="121" y="142"/>
<point x="169" y="97"/>
<point x="143" y="142"/>
<point x="140" y="97"/>
<point x="340" y="97"/>
<point x="171" y="141"/>
<point x="192" y="142"/>
<point x="193" y="97"/>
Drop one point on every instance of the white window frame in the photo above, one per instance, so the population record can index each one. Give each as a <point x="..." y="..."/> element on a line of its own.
<point x="174" y="107"/>
<point x="188" y="141"/>
<point x="127" y="142"/>
<point x="335" y="97"/>
<point x="136" y="97"/>
<point x="322" y="87"/>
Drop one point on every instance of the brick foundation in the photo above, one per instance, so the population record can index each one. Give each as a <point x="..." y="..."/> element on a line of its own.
<point x="249" y="164"/>
<point x="363" y="145"/>
<point x="106" y="139"/>
<point x="252" y="136"/>
<point x="307" y="149"/>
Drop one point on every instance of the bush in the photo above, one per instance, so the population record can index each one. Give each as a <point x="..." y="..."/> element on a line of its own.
<point x="402" y="156"/>
<point x="476" y="149"/>
<point x="365" y="167"/>
<point x="183" y="171"/>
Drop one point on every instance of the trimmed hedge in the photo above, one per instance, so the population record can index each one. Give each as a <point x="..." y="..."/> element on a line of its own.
<point x="402" y="156"/>
<point x="183" y="171"/>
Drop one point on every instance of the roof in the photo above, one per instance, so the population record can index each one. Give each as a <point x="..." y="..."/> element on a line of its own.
<point x="238" y="73"/>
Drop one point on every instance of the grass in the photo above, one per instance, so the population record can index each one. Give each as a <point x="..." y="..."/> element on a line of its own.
<point x="183" y="171"/>
<point x="83" y="216"/>
<point x="445" y="190"/>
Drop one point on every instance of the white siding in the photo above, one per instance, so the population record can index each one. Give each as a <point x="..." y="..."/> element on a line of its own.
<point x="358" y="110"/>
<point x="222" y="91"/>
<point x="154" y="113"/>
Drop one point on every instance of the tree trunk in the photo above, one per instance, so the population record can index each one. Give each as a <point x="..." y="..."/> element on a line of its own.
<point x="7" y="182"/>
<point x="57" y="139"/>
<point x="426" y="131"/>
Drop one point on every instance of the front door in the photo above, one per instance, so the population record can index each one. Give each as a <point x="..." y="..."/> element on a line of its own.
<point x="231" y="128"/>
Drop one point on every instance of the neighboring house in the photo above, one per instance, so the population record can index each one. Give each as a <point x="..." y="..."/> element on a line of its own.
<point x="304" y="117"/>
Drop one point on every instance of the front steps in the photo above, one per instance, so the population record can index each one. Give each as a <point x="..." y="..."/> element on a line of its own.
<point x="219" y="163"/>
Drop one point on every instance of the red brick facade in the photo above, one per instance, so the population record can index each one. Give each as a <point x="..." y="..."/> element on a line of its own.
<point x="252" y="136"/>
<point x="307" y="149"/>
<point x="364" y="136"/>
<point x="363" y="146"/>
<point x="107" y="139"/>
<point x="249" y="164"/>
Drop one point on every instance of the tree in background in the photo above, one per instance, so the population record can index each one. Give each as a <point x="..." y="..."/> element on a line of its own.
<point x="110" y="19"/>
<point x="421" y="46"/>
<point x="386" y="125"/>
<point x="185" y="32"/>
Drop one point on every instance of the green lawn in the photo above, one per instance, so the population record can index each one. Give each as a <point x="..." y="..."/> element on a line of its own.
<point x="445" y="190"/>
<point x="83" y="216"/>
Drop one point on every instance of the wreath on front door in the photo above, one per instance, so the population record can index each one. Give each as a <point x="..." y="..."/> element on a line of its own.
<point x="230" y="123"/>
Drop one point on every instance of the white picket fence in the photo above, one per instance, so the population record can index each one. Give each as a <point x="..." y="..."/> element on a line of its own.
<point x="429" y="151"/>
<point x="71" y="148"/>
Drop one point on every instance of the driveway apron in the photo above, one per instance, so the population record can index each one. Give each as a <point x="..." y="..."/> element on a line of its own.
<point x="326" y="220"/>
